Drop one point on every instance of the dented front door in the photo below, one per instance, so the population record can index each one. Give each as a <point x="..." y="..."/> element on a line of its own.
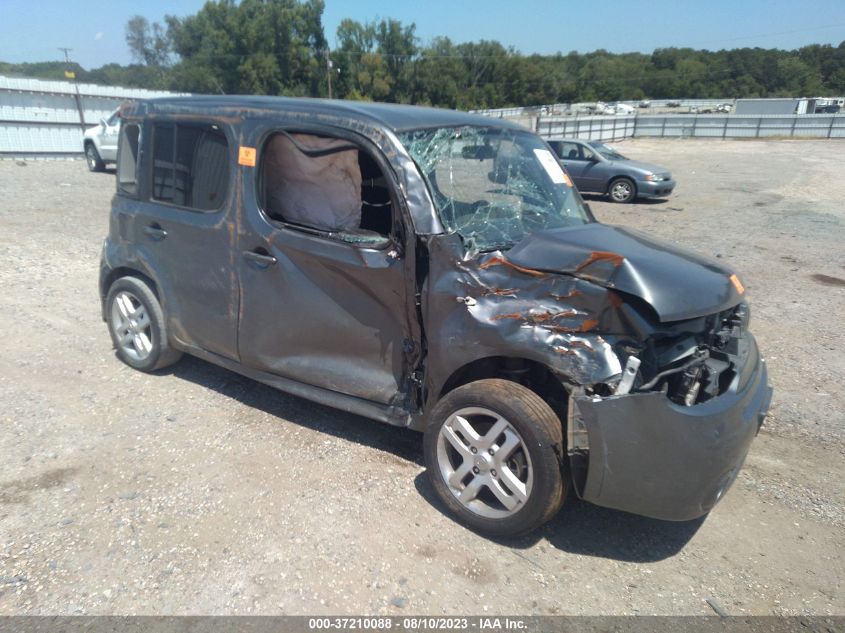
<point x="321" y="311"/>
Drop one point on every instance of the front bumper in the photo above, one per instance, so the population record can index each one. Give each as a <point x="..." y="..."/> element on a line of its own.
<point x="650" y="456"/>
<point x="655" y="189"/>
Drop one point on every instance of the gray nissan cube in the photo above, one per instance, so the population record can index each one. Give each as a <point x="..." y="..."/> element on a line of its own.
<point x="435" y="270"/>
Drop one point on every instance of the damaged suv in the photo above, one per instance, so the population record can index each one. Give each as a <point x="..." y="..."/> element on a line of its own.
<point x="435" y="270"/>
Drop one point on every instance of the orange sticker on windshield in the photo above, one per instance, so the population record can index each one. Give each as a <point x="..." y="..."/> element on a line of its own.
<point x="735" y="281"/>
<point x="567" y="179"/>
<point x="246" y="156"/>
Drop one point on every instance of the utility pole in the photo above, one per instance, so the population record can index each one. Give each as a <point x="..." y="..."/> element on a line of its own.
<point x="70" y="74"/>
<point x="329" y="70"/>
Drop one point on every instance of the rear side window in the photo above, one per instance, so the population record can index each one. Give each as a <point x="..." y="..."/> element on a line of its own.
<point x="127" y="166"/>
<point x="190" y="165"/>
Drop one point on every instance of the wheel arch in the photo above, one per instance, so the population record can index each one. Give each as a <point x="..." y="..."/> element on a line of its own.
<point x="125" y="271"/>
<point x="530" y="373"/>
<point x="627" y="177"/>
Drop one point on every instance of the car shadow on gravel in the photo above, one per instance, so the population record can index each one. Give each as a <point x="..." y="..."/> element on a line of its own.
<point x="595" y="197"/>
<point x="583" y="528"/>
<point x="403" y="443"/>
<point x="589" y="530"/>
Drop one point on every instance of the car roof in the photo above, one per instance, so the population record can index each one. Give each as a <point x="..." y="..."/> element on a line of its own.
<point x="395" y="117"/>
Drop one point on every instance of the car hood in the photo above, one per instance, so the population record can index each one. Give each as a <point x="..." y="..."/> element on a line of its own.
<point x="640" y="166"/>
<point x="677" y="283"/>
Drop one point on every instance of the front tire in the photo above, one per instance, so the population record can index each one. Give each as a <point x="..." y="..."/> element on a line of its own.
<point x="493" y="451"/>
<point x="137" y="326"/>
<point x="622" y="190"/>
<point x="92" y="158"/>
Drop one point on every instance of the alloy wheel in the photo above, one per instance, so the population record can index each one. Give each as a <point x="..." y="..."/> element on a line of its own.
<point x="484" y="462"/>
<point x="92" y="159"/>
<point x="621" y="191"/>
<point x="131" y="324"/>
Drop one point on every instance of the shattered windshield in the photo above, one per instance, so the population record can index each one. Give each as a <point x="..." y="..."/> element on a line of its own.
<point x="494" y="186"/>
<point x="607" y="151"/>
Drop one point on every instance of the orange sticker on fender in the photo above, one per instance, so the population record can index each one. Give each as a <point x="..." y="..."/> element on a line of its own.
<point x="246" y="156"/>
<point x="735" y="281"/>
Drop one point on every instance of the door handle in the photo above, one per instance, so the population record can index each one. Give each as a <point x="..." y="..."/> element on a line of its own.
<point x="155" y="232"/>
<point x="262" y="260"/>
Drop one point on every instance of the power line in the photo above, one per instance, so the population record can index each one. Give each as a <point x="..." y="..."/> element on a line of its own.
<point x="759" y="35"/>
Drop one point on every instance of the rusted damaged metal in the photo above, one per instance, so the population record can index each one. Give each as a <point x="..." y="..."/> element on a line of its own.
<point x="501" y="292"/>
<point x="600" y="256"/>
<point x="569" y="295"/>
<point x="539" y="317"/>
<point x="676" y="283"/>
<point x="502" y="261"/>
<point x="543" y="317"/>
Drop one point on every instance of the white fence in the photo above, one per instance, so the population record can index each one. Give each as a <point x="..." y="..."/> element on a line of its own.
<point x="609" y="128"/>
<point x="47" y="118"/>
<point x="597" y="128"/>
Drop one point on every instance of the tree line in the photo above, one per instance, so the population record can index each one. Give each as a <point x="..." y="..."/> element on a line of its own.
<point x="279" y="47"/>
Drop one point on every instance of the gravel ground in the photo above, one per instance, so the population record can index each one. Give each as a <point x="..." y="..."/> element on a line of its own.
<point x="196" y="491"/>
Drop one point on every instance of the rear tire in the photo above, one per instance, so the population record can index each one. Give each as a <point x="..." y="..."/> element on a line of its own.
<point x="137" y="326"/>
<point x="494" y="454"/>
<point x="622" y="190"/>
<point x="92" y="157"/>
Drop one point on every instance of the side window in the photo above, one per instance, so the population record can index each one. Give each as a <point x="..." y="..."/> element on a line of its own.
<point x="588" y="154"/>
<point x="326" y="184"/>
<point x="127" y="166"/>
<point x="190" y="165"/>
<point x="570" y="151"/>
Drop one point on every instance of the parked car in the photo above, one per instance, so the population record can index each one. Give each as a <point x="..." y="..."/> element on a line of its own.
<point x="435" y="270"/>
<point x="673" y="104"/>
<point x="621" y="108"/>
<point x="100" y="142"/>
<point x="645" y="103"/>
<point x="724" y="108"/>
<point x="598" y="168"/>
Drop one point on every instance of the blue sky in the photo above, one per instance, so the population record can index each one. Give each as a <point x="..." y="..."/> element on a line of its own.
<point x="33" y="30"/>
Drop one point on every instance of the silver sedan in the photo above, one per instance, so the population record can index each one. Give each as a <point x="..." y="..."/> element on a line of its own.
<point x="598" y="168"/>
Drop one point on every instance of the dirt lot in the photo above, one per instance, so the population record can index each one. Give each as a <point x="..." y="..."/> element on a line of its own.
<point x="198" y="491"/>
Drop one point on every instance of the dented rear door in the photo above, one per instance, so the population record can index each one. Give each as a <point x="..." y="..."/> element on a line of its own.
<point x="182" y="230"/>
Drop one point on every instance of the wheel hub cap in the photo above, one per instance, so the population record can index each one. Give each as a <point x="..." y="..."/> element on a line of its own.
<point x="484" y="462"/>
<point x="129" y="319"/>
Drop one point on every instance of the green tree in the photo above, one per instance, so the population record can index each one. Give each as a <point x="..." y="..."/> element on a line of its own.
<point x="279" y="47"/>
<point x="256" y="46"/>
<point x="375" y="60"/>
<point x="149" y="44"/>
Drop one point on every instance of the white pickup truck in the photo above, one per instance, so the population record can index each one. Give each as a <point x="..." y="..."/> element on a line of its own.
<point x="100" y="143"/>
